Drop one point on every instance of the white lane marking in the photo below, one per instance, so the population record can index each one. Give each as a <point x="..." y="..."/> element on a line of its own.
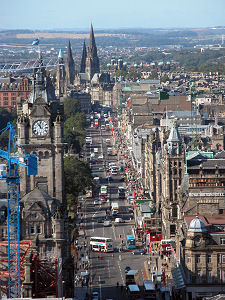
<point x="100" y="287"/>
<point x="114" y="232"/>
<point x="96" y="211"/>
<point x="109" y="269"/>
<point x="121" y="273"/>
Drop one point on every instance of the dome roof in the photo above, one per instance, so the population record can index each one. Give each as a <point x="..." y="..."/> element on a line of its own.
<point x="197" y="225"/>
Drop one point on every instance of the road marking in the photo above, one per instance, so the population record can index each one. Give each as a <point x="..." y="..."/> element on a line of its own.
<point x="100" y="287"/>
<point x="121" y="273"/>
<point x="109" y="269"/>
<point x="114" y="232"/>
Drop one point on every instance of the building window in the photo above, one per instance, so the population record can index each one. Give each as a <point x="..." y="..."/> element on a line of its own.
<point x="32" y="231"/>
<point x="198" y="279"/>
<point x="188" y="259"/>
<point x="222" y="241"/>
<point x="222" y="259"/>
<point x="38" y="228"/>
<point x="197" y="259"/>
<point x="209" y="259"/>
<point x="49" y="248"/>
<point x="173" y="229"/>
<point x="209" y="276"/>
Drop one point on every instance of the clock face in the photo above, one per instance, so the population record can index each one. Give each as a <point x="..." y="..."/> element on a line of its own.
<point x="40" y="128"/>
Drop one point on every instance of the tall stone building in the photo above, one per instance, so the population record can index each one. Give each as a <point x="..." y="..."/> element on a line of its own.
<point x="92" y="61"/>
<point x="70" y="67"/>
<point x="83" y="59"/>
<point x="40" y="131"/>
<point x="60" y="76"/>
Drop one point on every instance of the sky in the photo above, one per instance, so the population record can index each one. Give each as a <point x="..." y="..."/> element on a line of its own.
<point x="78" y="14"/>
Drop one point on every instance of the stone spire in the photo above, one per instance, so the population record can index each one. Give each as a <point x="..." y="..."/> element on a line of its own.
<point x="83" y="59"/>
<point x="70" y="68"/>
<point x="92" y="61"/>
<point x="174" y="141"/>
<point x="60" y="76"/>
<point x="92" y="45"/>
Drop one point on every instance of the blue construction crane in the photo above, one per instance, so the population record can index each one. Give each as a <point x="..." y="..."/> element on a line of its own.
<point x="14" y="156"/>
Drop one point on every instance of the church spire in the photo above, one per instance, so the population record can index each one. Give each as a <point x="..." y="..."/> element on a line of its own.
<point x="83" y="59"/>
<point x="92" y="61"/>
<point x="70" y="68"/>
<point x="92" y="44"/>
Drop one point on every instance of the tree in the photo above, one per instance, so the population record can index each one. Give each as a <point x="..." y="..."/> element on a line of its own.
<point x="5" y="117"/>
<point x="74" y="132"/>
<point x="71" y="107"/>
<point x="77" y="176"/>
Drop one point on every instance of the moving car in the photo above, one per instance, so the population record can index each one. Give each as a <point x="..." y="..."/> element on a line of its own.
<point x="139" y="251"/>
<point x="119" y="220"/>
<point x="95" y="295"/>
<point x="106" y="223"/>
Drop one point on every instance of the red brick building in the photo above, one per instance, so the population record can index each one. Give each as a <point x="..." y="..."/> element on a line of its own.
<point x="11" y="88"/>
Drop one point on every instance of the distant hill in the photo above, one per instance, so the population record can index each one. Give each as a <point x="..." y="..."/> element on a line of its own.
<point x="132" y="37"/>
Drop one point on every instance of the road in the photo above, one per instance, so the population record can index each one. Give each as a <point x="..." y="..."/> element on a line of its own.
<point x="108" y="271"/>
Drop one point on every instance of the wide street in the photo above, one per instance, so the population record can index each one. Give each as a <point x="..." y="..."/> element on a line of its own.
<point x="109" y="271"/>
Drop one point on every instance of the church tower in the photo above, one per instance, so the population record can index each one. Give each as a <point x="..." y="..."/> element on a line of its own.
<point x="70" y="67"/>
<point x="83" y="59"/>
<point x="40" y="132"/>
<point x="92" y="61"/>
<point x="60" y="76"/>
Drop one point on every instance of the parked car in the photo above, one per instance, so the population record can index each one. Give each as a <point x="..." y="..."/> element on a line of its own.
<point x="127" y="269"/>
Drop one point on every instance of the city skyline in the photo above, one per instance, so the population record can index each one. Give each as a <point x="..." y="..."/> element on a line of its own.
<point x="52" y="15"/>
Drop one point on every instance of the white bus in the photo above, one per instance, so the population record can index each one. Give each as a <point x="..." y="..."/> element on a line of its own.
<point x="101" y="244"/>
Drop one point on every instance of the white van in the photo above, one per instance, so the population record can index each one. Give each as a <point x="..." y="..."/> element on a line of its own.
<point x="119" y="220"/>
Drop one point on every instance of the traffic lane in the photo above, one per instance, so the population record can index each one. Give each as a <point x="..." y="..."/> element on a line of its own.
<point x="107" y="272"/>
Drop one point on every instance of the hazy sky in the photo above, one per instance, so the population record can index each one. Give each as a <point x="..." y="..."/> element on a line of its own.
<point x="51" y="14"/>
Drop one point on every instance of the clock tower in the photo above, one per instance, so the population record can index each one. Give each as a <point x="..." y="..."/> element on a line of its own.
<point x="40" y="132"/>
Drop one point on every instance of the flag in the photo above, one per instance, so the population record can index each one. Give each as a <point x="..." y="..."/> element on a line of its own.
<point x="35" y="42"/>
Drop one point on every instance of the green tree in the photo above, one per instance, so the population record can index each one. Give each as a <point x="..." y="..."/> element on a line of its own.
<point x="74" y="132"/>
<point x="5" y="117"/>
<point x="71" y="107"/>
<point x="77" y="176"/>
